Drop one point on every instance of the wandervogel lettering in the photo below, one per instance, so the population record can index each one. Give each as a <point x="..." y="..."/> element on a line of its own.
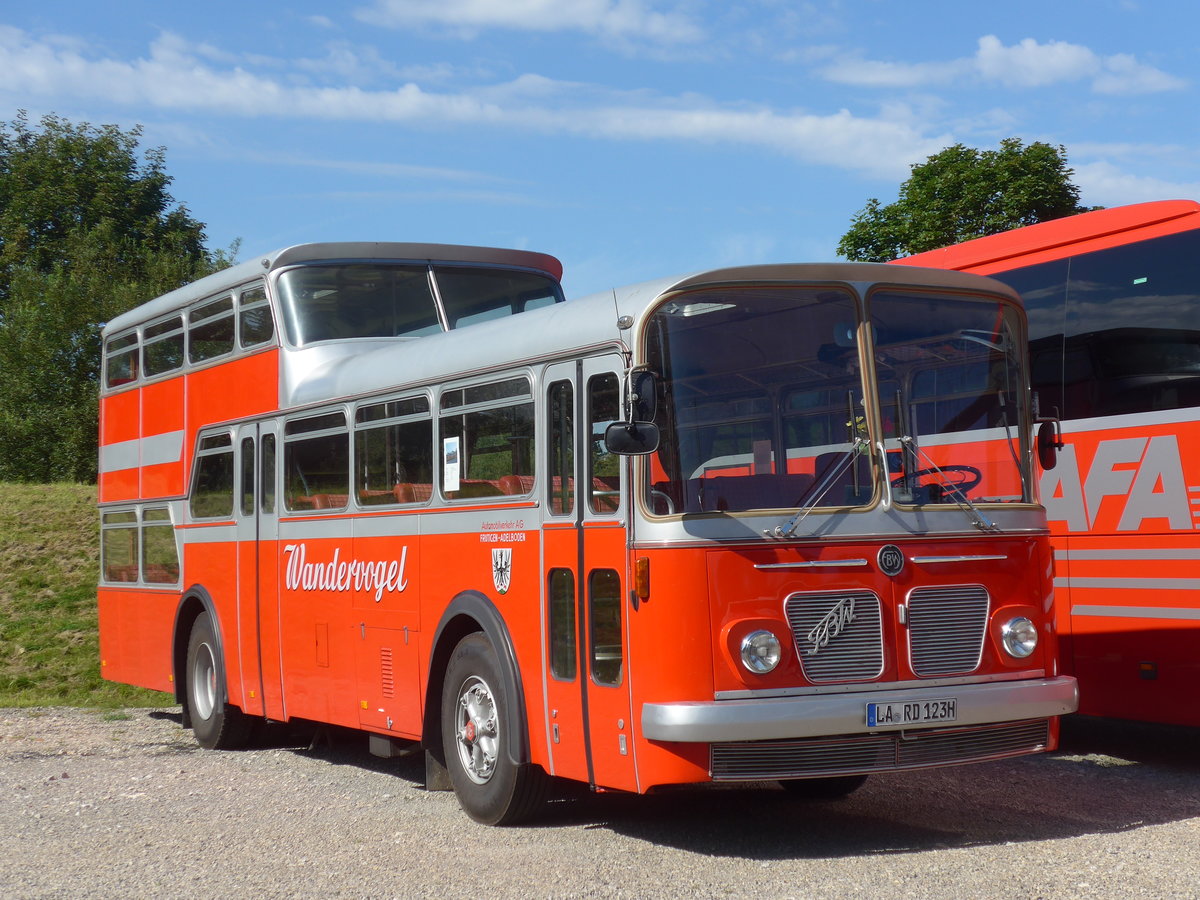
<point x="344" y="575"/>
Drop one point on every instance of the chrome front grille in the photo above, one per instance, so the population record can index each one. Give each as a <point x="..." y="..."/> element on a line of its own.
<point x="838" y="635"/>
<point x="888" y="752"/>
<point x="946" y="629"/>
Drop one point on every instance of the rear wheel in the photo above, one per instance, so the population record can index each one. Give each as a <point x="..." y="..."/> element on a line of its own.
<point x="823" y="788"/>
<point x="476" y="724"/>
<point x="216" y="724"/>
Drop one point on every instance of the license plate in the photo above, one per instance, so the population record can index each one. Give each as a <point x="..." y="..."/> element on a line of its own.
<point x="913" y="712"/>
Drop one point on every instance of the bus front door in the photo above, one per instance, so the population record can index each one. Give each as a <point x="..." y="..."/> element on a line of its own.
<point x="261" y="688"/>
<point x="588" y="728"/>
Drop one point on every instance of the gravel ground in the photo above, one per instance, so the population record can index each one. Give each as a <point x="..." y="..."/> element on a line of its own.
<point x="126" y="805"/>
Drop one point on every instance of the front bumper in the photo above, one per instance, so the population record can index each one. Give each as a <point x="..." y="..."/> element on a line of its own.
<point x="819" y="715"/>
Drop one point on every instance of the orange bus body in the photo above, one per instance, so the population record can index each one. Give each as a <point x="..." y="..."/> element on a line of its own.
<point x="420" y="531"/>
<point x="1115" y="336"/>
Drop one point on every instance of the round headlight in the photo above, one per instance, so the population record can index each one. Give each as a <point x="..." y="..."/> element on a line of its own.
<point x="760" y="652"/>
<point x="1019" y="637"/>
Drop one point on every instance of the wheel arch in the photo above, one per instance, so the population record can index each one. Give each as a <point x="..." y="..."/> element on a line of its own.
<point x="468" y="613"/>
<point x="195" y="602"/>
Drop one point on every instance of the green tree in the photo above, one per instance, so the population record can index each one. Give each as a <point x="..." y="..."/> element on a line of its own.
<point x="962" y="193"/>
<point x="87" y="231"/>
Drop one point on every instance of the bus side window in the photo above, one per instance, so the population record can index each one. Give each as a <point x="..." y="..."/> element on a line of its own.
<point x="316" y="460"/>
<point x="247" y="476"/>
<point x="162" y="348"/>
<point x="119" y="546"/>
<point x="121" y="360"/>
<point x="160" y="557"/>
<point x="604" y="467"/>
<point x="604" y="603"/>
<point x="267" y="502"/>
<point x="213" y="481"/>
<point x="563" y="660"/>
<point x="210" y="330"/>
<point x="560" y="487"/>
<point x="393" y="452"/>
<point x="494" y="424"/>
<point x="254" y="317"/>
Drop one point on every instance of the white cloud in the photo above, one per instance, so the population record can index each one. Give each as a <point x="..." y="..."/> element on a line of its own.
<point x="1123" y="74"/>
<point x="1105" y="184"/>
<point x="1026" y="64"/>
<point x="876" y="73"/>
<point x="1030" y="64"/>
<point x="607" y="18"/>
<point x="351" y="62"/>
<point x="173" y="77"/>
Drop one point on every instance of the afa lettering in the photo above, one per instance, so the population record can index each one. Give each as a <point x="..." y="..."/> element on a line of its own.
<point x="1143" y="475"/>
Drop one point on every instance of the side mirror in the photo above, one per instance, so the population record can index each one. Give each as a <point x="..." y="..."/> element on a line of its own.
<point x="631" y="438"/>
<point x="1049" y="442"/>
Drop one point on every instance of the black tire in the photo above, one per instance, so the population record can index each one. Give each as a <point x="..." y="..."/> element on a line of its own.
<point x="476" y="724"/>
<point x="823" y="788"/>
<point x="216" y="724"/>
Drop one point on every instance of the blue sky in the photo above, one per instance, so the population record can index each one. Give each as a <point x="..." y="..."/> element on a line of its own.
<point x="632" y="139"/>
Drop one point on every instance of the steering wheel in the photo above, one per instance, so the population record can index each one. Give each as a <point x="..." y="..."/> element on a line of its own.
<point x="969" y="477"/>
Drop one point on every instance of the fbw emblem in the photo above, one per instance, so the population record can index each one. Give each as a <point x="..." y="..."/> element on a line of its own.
<point x="502" y="568"/>
<point x="891" y="560"/>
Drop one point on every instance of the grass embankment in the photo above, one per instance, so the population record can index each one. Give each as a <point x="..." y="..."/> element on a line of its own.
<point x="49" y="644"/>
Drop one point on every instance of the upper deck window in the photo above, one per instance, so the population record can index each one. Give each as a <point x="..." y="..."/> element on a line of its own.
<point x="357" y="300"/>
<point x="162" y="347"/>
<point x="477" y="295"/>
<point x="121" y="360"/>
<point x="210" y="331"/>
<point x="254" y="317"/>
<point x="381" y="300"/>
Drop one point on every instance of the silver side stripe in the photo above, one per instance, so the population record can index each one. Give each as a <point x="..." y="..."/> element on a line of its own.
<point x="148" y="451"/>
<point x="1130" y="584"/>
<point x="1081" y="555"/>
<point x="954" y="559"/>
<point x="1138" y="612"/>
<point x="814" y="564"/>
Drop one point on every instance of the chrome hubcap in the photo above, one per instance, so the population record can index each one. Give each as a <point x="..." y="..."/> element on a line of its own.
<point x="477" y="730"/>
<point x="204" y="682"/>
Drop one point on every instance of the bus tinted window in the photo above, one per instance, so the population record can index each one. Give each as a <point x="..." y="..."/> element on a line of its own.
<point x="358" y="300"/>
<point x="1115" y="331"/>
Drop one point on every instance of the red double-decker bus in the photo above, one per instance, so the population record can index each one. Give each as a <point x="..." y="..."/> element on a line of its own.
<point x="1113" y="298"/>
<point x="774" y="522"/>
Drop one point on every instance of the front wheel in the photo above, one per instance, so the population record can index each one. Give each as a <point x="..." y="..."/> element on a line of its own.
<point x="476" y="723"/>
<point x="216" y="724"/>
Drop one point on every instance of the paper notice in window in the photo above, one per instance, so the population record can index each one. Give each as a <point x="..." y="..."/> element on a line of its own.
<point x="450" y="464"/>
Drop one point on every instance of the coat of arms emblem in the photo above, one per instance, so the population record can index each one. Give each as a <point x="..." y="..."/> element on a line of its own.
<point x="501" y="568"/>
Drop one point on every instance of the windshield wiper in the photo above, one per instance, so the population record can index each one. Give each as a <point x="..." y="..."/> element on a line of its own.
<point x="961" y="500"/>
<point x="832" y="474"/>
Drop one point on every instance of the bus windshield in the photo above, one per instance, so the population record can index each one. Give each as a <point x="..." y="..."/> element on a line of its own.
<point x="383" y="300"/>
<point x="765" y="400"/>
<point x="952" y="398"/>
